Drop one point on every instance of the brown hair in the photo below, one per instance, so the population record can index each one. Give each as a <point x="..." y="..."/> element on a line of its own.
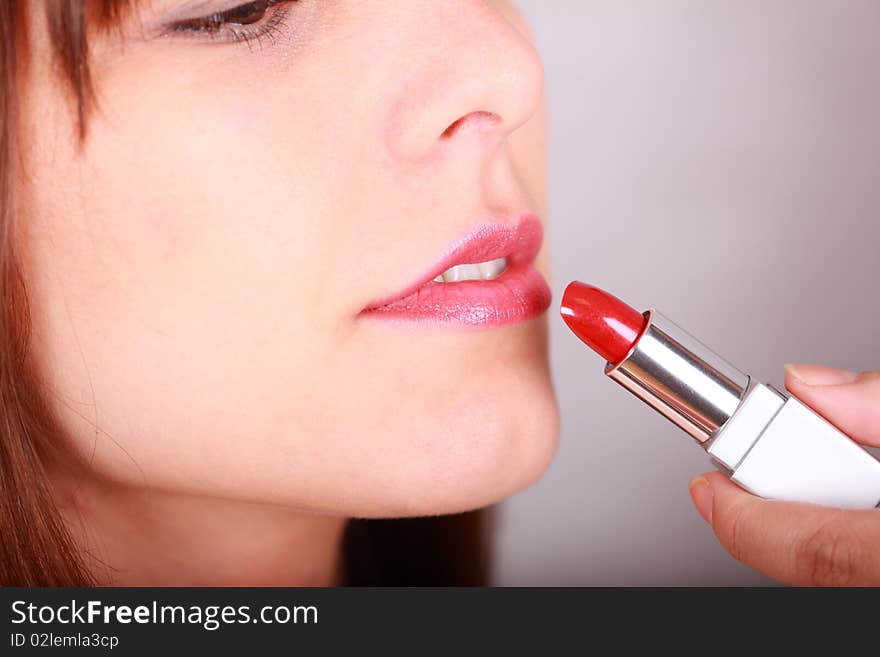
<point x="36" y="548"/>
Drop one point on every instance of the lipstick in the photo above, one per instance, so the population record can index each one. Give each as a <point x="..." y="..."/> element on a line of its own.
<point x="518" y="294"/>
<point x="764" y="439"/>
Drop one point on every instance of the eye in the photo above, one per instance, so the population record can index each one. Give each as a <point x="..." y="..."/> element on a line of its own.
<point x="244" y="22"/>
<point x="252" y="12"/>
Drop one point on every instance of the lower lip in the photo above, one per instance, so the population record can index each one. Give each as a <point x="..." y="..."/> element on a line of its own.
<point x="519" y="294"/>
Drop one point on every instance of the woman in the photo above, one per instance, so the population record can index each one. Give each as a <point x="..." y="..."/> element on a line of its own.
<point x="215" y="214"/>
<point x="268" y="266"/>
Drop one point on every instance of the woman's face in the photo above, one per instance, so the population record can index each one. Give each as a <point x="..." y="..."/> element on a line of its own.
<point x="207" y="271"/>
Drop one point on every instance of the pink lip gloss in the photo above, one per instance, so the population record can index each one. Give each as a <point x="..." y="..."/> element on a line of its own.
<point x="520" y="293"/>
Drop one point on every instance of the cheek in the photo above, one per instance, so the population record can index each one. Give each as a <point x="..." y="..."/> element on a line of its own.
<point x="207" y="205"/>
<point x="178" y="294"/>
<point x="189" y="300"/>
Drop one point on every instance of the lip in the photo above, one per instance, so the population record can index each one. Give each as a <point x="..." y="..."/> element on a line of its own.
<point x="519" y="294"/>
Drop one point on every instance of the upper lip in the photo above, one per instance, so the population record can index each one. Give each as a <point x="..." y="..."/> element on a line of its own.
<point x="518" y="242"/>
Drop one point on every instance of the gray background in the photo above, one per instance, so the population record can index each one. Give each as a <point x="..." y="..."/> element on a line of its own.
<point x="719" y="161"/>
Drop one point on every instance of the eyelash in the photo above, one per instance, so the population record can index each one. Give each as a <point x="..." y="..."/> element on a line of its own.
<point x="219" y="26"/>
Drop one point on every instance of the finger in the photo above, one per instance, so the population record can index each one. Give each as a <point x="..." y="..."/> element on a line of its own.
<point x="850" y="401"/>
<point x="797" y="544"/>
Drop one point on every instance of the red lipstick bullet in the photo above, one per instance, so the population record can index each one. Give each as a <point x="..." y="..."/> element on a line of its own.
<point x="606" y="324"/>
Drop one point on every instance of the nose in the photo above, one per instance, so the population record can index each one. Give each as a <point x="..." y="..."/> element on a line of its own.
<point x="477" y="74"/>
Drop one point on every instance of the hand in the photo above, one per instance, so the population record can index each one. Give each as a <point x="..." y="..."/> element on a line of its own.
<point x="804" y="544"/>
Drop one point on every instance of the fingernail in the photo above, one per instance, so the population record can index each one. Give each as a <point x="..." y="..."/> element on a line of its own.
<point x="702" y="495"/>
<point x="818" y="375"/>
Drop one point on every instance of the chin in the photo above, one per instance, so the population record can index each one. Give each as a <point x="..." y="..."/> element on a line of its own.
<point x="484" y="454"/>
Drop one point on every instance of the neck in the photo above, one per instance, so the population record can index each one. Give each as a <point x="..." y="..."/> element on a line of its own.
<point x="142" y="537"/>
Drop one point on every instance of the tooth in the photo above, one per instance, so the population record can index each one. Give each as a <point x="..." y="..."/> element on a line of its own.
<point x="481" y="271"/>
<point x="452" y="275"/>
<point x="492" y="269"/>
<point x="460" y="273"/>
<point x="471" y="273"/>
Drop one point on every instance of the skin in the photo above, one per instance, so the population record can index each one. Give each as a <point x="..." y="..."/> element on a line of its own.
<point x="196" y="268"/>
<point x="805" y="544"/>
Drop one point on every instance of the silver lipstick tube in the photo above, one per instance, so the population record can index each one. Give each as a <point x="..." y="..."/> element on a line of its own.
<point x="680" y="377"/>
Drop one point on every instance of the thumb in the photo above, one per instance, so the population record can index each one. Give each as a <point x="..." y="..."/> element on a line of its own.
<point x="850" y="401"/>
<point x="795" y="543"/>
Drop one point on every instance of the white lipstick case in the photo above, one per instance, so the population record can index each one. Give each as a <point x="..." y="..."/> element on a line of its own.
<point x="776" y="447"/>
